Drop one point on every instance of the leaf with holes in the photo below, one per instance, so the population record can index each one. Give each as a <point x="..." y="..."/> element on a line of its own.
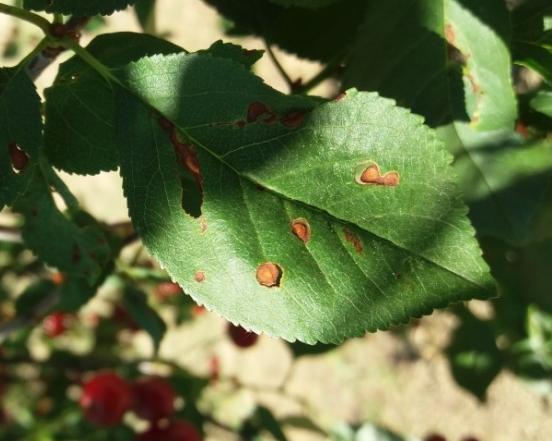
<point x="20" y="132"/>
<point x="78" y="7"/>
<point x="315" y="223"/>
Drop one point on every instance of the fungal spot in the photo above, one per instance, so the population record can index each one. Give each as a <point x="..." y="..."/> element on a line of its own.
<point x="449" y="34"/>
<point x="166" y="125"/>
<point x="240" y="124"/>
<point x="293" y="120"/>
<point x="371" y="175"/>
<point x="301" y="228"/>
<point x="199" y="276"/>
<point x="255" y="110"/>
<point x="269" y="274"/>
<point x="353" y="239"/>
<point x="19" y="159"/>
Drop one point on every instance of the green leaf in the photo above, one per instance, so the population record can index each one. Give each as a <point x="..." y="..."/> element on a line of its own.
<point x="80" y="133"/>
<point x="536" y="57"/>
<point x="78" y="7"/>
<point x="498" y="168"/>
<point x="234" y="52"/>
<point x="20" y="124"/>
<point x="369" y="244"/>
<point x="542" y="102"/>
<point x="56" y="240"/>
<point x="320" y="34"/>
<point x="136" y="302"/>
<point x="475" y="360"/>
<point x="411" y="65"/>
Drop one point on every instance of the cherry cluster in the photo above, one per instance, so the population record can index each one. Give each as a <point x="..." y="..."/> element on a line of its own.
<point x="106" y="397"/>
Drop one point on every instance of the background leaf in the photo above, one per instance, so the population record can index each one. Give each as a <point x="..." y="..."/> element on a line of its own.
<point x="241" y="227"/>
<point x="78" y="7"/>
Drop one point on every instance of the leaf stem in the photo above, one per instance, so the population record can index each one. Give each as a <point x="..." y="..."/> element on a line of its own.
<point x="329" y="70"/>
<point x="279" y="67"/>
<point x="27" y="16"/>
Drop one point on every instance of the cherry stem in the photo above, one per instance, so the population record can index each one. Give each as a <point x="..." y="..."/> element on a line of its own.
<point x="27" y="16"/>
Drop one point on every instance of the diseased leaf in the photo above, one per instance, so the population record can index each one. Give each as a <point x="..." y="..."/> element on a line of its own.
<point x="474" y="357"/>
<point x="20" y="132"/>
<point x="144" y="315"/>
<point x="345" y="213"/>
<point x="320" y="34"/>
<point x="80" y="133"/>
<point x="78" y="7"/>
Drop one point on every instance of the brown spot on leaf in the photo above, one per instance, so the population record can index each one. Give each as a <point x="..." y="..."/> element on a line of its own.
<point x="255" y="110"/>
<point x="353" y="239"/>
<point x="19" y="159"/>
<point x="166" y="125"/>
<point x="203" y="225"/>
<point x="301" y="228"/>
<point x="474" y="84"/>
<point x="199" y="276"/>
<point x="449" y="34"/>
<point x="371" y="175"/>
<point x="240" y="124"/>
<point x="293" y="120"/>
<point x="269" y="274"/>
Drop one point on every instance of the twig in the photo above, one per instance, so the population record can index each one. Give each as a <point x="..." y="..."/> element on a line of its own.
<point x="46" y="57"/>
<point x="27" y="16"/>
<point x="279" y="67"/>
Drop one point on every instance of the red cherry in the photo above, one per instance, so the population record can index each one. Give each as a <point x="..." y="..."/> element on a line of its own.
<point x="166" y="290"/>
<point x="241" y="337"/>
<point x="19" y="159"/>
<point x="55" y="324"/>
<point x="105" y="399"/>
<point x="435" y="437"/>
<point x="153" y="398"/>
<point x="177" y="430"/>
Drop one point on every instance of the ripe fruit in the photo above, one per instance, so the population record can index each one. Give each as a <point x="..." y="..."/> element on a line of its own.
<point x="241" y="337"/>
<point x="153" y="398"/>
<point x="55" y="324"/>
<point x="105" y="399"/>
<point x="19" y="159"/>
<point x="178" y="430"/>
<point x="166" y="290"/>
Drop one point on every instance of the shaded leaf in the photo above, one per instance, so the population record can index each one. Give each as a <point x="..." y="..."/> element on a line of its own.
<point x="370" y="244"/>
<point x="20" y="129"/>
<point x="322" y="34"/>
<point x="145" y="12"/>
<point x="136" y="302"/>
<point x="474" y="358"/>
<point x="234" y="52"/>
<point x="80" y="133"/>
<point x="78" y="7"/>
<point x="27" y="302"/>
<point x="536" y="57"/>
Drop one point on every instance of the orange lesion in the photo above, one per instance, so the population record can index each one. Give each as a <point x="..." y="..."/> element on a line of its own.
<point x="371" y="175"/>
<point x="301" y="228"/>
<point x="269" y="274"/>
<point x="199" y="276"/>
<point x="353" y="239"/>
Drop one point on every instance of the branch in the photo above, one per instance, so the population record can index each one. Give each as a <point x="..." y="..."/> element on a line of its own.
<point x="46" y="57"/>
<point x="279" y="67"/>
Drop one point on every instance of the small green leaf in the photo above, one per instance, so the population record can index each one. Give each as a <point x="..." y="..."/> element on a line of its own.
<point x="20" y="129"/>
<point x="542" y="102"/>
<point x="234" y="52"/>
<point x="298" y="163"/>
<point x="78" y="7"/>
<point x="80" y="133"/>
<point x="475" y="360"/>
<point x="136" y="302"/>
<point x="535" y="57"/>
